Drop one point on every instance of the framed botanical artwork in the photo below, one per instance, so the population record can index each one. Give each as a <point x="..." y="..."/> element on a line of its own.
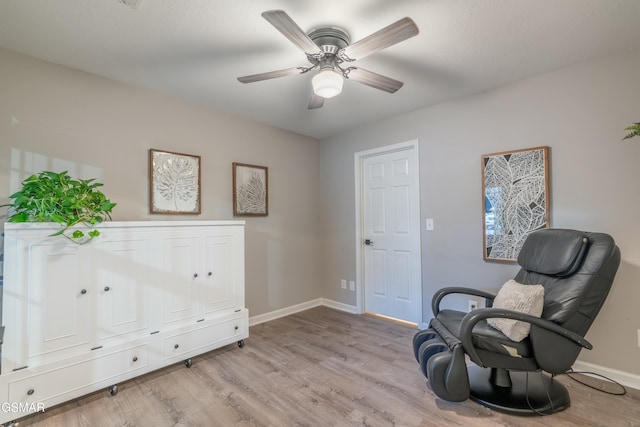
<point x="174" y="183"/>
<point x="250" y="190"/>
<point x="515" y="200"/>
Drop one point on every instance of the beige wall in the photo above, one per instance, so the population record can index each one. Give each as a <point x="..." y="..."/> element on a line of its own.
<point x="52" y="117"/>
<point x="580" y="112"/>
<point x="55" y="118"/>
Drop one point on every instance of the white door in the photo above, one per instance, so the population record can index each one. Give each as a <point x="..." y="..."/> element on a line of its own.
<point x="391" y="234"/>
<point x="60" y="300"/>
<point x="122" y="265"/>
<point x="219" y="279"/>
<point x="181" y="279"/>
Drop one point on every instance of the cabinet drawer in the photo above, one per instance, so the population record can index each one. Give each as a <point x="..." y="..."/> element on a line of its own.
<point x="66" y="379"/>
<point x="202" y="337"/>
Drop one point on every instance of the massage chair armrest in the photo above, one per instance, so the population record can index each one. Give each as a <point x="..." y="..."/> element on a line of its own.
<point x="440" y="294"/>
<point x="470" y="320"/>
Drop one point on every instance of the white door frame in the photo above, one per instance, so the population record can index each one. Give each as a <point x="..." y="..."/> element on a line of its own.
<point x="358" y="170"/>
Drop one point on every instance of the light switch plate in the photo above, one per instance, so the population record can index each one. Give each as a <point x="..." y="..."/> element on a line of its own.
<point x="429" y="224"/>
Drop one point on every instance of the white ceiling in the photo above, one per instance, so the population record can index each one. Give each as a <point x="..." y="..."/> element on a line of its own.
<point x="195" y="49"/>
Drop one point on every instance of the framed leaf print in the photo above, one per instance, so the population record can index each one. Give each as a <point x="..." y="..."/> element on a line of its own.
<point x="174" y="183"/>
<point x="250" y="190"/>
<point x="515" y="200"/>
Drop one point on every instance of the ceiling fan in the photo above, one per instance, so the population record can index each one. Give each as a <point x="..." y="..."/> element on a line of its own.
<point x="329" y="49"/>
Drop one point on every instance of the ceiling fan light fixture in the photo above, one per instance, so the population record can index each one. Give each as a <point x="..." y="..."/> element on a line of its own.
<point x="327" y="83"/>
<point x="327" y="47"/>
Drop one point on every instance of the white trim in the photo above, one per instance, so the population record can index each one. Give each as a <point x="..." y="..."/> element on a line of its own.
<point x="340" y="306"/>
<point x="625" y="378"/>
<point x="357" y="168"/>
<point x="287" y="311"/>
<point x="273" y="315"/>
<point x="115" y="224"/>
<point x="358" y="159"/>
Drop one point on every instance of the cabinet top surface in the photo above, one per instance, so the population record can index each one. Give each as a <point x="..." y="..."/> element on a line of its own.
<point x="124" y="224"/>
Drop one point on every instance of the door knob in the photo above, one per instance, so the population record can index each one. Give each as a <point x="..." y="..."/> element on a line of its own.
<point x="368" y="242"/>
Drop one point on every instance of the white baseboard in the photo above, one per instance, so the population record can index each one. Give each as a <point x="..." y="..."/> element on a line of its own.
<point x="287" y="311"/>
<point x="340" y="306"/>
<point x="625" y="378"/>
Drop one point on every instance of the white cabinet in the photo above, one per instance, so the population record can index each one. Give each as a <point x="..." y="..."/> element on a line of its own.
<point x="46" y="301"/>
<point x="222" y="274"/>
<point x="59" y="381"/>
<point x="201" y="274"/>
<point x="140" y="296"/>
<point x="123" y="267"/>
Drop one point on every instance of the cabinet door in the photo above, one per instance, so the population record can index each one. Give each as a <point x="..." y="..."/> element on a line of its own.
<point x="180" y="278"/>
<point x="59" y="300"/>
<point x="123" y="267"/>
<point x="222" y="289"/>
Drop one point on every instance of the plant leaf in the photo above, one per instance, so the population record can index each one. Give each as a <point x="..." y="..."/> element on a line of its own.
<point x="635" y="131"/>
<point x="56" y="197"/>
<point x="19" y="217"/>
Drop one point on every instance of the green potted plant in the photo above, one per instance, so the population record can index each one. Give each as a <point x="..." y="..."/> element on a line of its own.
<point x="56" y="197"/>
<point x="634" y="130"/>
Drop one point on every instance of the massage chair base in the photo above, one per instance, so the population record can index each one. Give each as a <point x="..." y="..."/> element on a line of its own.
<point x="537" y="395"/>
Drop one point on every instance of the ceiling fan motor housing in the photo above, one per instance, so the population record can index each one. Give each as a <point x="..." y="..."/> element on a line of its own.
<point x="330" y="39"/>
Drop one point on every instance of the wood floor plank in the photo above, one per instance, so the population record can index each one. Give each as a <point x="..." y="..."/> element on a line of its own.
<point x="320" y="367"/>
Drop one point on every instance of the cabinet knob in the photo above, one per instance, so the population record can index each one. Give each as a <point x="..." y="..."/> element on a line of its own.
<point x="236" y="328"/>
<point x="210" y="273"/>
<point x="84" y="291"/>
<point x="30" y="392"/>
<point x="135" y="358"/>
<point x="195" y="275"/>
<point x="176" y="346"/>
<point x="106" y="289"/>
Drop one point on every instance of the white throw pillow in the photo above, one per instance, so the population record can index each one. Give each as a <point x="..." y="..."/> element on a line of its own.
<point x="517" y="297"/>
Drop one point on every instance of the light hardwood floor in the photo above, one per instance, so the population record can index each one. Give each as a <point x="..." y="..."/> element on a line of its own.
<point x="321" y="367"/>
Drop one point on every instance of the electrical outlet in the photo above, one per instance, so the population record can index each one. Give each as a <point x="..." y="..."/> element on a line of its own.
<point x="352" y="285"/>
<point x="473" y="305"/>
<point x="638" y="337"/>
<point x="343" y="284"/>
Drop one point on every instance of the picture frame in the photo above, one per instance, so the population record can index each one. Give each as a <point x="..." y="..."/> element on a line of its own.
<point x="515" y="200"/>
<point x="174" y="183"/>
<point x="250" y="190"/>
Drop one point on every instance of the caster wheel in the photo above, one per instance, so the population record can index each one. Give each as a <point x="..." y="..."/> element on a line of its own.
<point x="113" y="390"/>
<point x="188" y="363"/>
<point x="241" y="343"/>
